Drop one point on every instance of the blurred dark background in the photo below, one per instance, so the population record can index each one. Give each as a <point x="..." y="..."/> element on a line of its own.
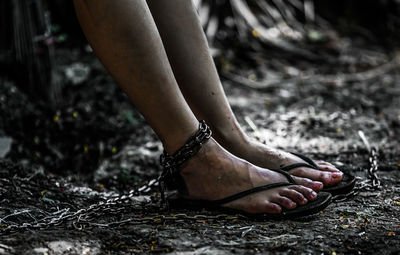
<point x="31" y="30"/>
<point x="60" y="109"/>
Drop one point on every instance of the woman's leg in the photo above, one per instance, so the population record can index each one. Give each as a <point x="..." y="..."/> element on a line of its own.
<point x="125" y="38"/>
<point x="195" y="72"/>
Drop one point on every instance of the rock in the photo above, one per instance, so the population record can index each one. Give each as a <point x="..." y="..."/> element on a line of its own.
<point x="5" y="145"/>
<point x="203" y="250"/>
<point x="77" y="73"/>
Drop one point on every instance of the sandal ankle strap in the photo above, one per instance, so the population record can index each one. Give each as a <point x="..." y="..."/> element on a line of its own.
<point x="170" y="177"/>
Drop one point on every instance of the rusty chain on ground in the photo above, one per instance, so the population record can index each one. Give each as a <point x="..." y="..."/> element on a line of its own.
<point x="86" y="217"/>
<point x="372" y="183"/>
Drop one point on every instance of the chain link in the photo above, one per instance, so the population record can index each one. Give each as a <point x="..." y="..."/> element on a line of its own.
<point x="99" y="208"/>
<point x="86" y="217"/>
<point x="372" y="183"/>
<point x="170" y="177"/>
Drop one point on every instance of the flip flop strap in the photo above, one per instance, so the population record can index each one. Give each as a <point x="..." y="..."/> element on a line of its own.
<point x="286" y="174"/>
<point x="249" y="192"/>
<point x="309" y="163"/>
<point x="296" y="165"/>
<point x="305" y="158"/>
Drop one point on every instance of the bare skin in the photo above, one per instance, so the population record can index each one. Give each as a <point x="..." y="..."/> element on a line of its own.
<point x="125" y="38"/>
<point x="239" y="176"/>
<point x="195" y="72"/>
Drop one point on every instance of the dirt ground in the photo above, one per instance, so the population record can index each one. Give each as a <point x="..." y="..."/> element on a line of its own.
<point x="95" y="146"/>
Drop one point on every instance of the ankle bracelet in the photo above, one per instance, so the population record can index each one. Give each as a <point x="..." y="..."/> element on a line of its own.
<point x="170" y="177"/>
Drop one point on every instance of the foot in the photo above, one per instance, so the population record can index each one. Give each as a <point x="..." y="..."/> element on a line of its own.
<point x="213" y="173"/>
<point x="267" y="157"/>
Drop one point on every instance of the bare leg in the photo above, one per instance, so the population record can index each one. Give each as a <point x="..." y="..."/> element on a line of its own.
<point x="140" y="66"/>
<point x="197" y="77"/>
<point x="125" y="38"/>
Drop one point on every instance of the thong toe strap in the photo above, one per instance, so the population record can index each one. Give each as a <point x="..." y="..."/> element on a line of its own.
<point x="312" y="207"/>
<point x="296" y="165"/>
<point x="344" y="186"/>
<point x="248" y="192"/>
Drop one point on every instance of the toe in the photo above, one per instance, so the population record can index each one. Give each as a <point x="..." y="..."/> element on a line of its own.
<point x="326" y="166"/>
<point x="256" y="204"/>
<point x="327" y="178"/>
<point x="294" y="195"/>
<point x="306" y="192"/>
<point x="270" y="207"/>
<point x="335" y="178"/>
<point x="284" y="201"/>
<point x="314" y="185"/>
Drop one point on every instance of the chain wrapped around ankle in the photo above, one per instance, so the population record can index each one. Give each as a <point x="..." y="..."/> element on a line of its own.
<point x="170" y="177"/>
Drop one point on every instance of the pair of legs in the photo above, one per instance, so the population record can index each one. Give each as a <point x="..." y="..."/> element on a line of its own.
<point x="158" y="54"/>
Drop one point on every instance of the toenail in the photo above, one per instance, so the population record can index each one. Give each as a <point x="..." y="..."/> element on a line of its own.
<point x="337" y="175"/>
<point x="319" y="184"/>
<point x="313" y="194"/>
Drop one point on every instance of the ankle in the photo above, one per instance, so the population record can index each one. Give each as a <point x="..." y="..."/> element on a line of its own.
<point x="177" y="138"/>
<point x="234" y="139"/>
<point x="206" y="154"/>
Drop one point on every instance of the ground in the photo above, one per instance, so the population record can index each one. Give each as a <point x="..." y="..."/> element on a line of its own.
<point x="62" y="163"/>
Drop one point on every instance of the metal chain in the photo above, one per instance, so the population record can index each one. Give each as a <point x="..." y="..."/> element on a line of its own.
<point x="371" y="184"/>
<point x="84" y="218"/>
<point x="100" y="208"/>
<point x="372" y="171"/>
<point x="170" y="177"/>
<point x="188" y="150"/>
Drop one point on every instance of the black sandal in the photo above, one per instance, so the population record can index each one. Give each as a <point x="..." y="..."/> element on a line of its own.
<point x="345" y="186"/>
<point x="170" y="179"/>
